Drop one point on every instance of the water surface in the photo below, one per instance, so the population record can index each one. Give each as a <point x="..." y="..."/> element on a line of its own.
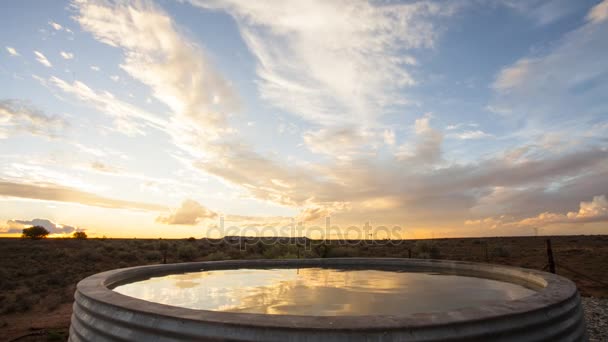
<point x="321" y="291"/>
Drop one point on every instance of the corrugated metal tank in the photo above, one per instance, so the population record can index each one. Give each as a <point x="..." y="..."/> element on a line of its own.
<point x="554" y="313"/>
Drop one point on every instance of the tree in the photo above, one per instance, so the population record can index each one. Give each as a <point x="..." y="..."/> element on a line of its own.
<point x="80" y="235"/>
<point x="35" y="233"/>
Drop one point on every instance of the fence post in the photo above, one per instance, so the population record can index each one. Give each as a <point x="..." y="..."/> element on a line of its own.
<point x="409" y="253"/>
<point x="550" y="257"/>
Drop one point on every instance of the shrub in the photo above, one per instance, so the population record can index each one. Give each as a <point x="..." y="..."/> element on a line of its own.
<point x="500" y="252"/>
<point x="35" y="233"/>
<point x="127" y="256"/>
<point x="425" y="250"/>
<point x="152" y="256"/>
<point x="186" y="253"/>
<point x="342" y="252"/>
<point x="191" y="239"/>
<point x="89" y="255"/>
<point x="79" y="235"/>
<point x="219" y="255"/>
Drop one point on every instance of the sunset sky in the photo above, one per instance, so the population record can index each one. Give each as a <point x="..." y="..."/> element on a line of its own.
<point x="445" y="118"/>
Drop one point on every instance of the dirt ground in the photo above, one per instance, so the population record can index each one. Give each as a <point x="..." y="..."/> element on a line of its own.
<point x="38" y="278"/>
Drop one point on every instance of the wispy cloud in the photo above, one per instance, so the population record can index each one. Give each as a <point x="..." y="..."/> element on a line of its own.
<point x="55" y="26"/>
<point x="19" y="116"/>
<point x="335" y="64"/>
<point x="59" y="193"/>
<point x="66" y="55"/>
<point x="12" y="51"/>
<point x="42" y="59"/>
<point x="470" y="135"/>
<point x="128" y="119"/>
<point x="567" y="77"/>
<point x="599" y="13"/>
<point x="293" y="55"/>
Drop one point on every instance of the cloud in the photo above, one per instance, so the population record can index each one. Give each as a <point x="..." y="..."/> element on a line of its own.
<point x="599" y="12"/>
<point x="128" y="119"/>
<point x="95" y="68"/>
<point x="190" y="213"/>
<point x="12" y="51"/>
<point x="426" y="149"/>
<point x="567" y="77"/>
<point x="180" y="76"/>
<point x="342" y="142"/>
<point x="19" y="116"/>
<point x="56" y="26"/>
<point x="470" y="135"/>
<point x="42" y="59"/>
<point x="595" y="210"/>
<point x="17" y="226"/>
<point x="102" y="167"/>
<point x="413" y="185"/>
<point x="543" y="12"/>
<point x="389" y="137"/>
<point x="178" y="72"/>
<point x="55" y="192"/>
<point x="66" y="55"/>
<point x="338" y="64"/>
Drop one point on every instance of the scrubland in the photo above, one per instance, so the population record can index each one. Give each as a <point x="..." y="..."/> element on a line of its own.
<point x="38" y="277"/>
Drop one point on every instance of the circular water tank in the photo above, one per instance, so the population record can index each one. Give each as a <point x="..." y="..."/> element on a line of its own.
<point x="552" y="313"/>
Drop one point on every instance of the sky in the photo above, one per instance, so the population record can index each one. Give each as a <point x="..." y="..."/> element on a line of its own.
<point x="178" y="118"/>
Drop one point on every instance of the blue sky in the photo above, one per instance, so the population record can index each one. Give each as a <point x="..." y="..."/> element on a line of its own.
<point x="459" y="118"/>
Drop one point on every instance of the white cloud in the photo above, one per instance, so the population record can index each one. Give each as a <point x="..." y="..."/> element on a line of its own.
<point x="334" y="63"/>
<point x="95" y="68"/>
<point x="56" y="26"/>
<point x="19" y="116"/>
<point x="190" y="213"/>
<point x="66" y="55"/>
<point x="470" y="135"/>
<point x="158" y="56"/>
<point x="115" y="78"/>
<point x="340" y="142"/>
<point x="599" y="12"/>
<point x="12" y="51"/>
<point x="42" y="59"/>
<point x="595" y="210"/>
<point x="389" y="137"/>
<point x="414" y="185"/>
<point x="128" y="119"/>
<point x="426" y="147"/>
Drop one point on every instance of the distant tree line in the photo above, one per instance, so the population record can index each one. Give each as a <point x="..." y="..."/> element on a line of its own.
<point x="39" y="232"/>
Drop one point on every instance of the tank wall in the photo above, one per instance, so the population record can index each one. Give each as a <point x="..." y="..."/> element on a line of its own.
<point x="554" y="314"/>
